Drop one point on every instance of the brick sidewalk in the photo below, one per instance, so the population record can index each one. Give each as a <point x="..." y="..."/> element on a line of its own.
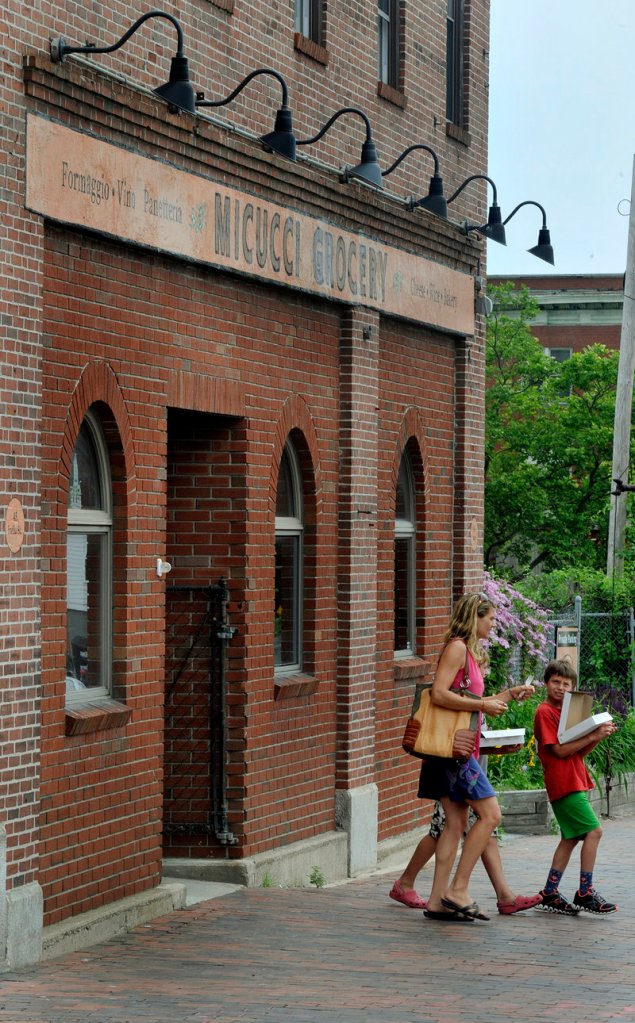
<point x="348" y="954"/>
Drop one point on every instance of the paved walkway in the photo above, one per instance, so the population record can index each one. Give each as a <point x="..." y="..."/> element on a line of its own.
<point x="348" y="954"/>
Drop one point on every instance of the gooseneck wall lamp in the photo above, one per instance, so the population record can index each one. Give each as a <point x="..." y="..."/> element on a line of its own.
<point x="494" y="228"/>
<point x="368" y="168"/>
<point x="281" y="139"/>
<point x="177" y="92"/>
<point x="544" y="249"/>
<point x="434" y="201"/>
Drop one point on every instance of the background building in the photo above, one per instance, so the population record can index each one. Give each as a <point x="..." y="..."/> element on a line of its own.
<point x="263" y="373"/>
<point x="576" y="310"/>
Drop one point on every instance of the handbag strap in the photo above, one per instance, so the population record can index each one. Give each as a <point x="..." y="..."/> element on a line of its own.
<point x="466" y="681"/>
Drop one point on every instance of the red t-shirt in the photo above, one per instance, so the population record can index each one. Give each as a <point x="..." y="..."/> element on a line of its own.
<point x="563" y="775"/>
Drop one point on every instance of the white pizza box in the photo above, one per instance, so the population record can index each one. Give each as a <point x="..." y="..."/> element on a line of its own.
<point x="577" y="718"/>
<point x="491" y="738"/>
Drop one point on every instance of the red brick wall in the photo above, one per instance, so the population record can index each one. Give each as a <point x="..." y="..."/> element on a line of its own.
<point x="417" y="413"/>
<point x="577" y="337"/>
<point x="136" y="334"/>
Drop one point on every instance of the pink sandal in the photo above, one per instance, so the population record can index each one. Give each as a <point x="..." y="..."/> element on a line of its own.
<point x="407" y="898"/>
<point x="520" y="902"/>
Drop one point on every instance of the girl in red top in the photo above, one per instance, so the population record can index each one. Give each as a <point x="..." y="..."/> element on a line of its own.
<point x="459" y="784"/>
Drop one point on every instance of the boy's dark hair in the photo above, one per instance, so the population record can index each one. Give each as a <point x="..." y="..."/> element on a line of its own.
<point x="564" y="668"/>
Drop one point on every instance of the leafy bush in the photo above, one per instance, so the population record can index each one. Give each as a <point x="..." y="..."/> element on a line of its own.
<point x="520" y="770"/>
<point x="612" y="758"/>
<point x="616" y="757"/>
<point x="599" y="591"/>
<point x="605" y="650"/>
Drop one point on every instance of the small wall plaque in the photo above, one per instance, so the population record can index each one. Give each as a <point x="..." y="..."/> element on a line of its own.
<point x="14" y="525"/>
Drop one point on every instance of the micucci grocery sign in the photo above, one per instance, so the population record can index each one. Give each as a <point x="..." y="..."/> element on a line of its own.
<point x="76" y="179"/>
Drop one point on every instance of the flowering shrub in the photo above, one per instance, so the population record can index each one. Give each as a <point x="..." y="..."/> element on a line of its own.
<point x="520" y="635"/>
<point x="518" y="640"/>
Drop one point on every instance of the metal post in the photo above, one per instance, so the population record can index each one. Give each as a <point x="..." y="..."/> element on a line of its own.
<point x="632" y="639"/>
<point x="623" y="405"/>
<point x="577" y="604"/>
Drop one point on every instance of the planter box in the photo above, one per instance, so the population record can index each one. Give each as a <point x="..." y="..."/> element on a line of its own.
<point x="528" y="812"/>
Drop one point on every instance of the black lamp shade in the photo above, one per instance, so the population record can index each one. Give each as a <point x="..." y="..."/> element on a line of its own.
<point x="435" y="201"/>
<point x="178" y="91"/>
<point x="281" y="140"/>
<point x="494" y="228"/>
<point x="544" y="248"/>
<point x="369" y="169"/>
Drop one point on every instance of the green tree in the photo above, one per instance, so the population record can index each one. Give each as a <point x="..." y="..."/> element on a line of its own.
<point x="548" y="446"/>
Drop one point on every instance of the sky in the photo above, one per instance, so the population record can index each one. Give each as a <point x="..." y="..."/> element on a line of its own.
<point x="562" y="131"/>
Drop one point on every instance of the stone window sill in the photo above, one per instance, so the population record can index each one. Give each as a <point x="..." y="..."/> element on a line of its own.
<point x="411" y="669"/>
<point x="310" y="48"/>
<point x="287" y="686"/>
<point x="81" y="719"/>
<point x="391" y="95"/>
<point x="225" y="5"/>
<point x="453" y="131"/>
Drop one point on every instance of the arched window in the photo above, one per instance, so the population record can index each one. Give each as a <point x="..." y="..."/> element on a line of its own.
<point x="288" y="566"/>
<point x="89" y="568"/>
<point x="405" y="559"/>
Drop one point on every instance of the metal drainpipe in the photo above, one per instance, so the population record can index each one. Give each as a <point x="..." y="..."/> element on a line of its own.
<point x="221" y="634"/>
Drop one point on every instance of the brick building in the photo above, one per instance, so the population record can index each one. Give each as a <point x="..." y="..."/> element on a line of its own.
<point x="265" y="373"/>
<point x="575" y="310"/>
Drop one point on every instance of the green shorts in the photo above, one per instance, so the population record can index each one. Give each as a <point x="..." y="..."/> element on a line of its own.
<point x="575" y="815"/>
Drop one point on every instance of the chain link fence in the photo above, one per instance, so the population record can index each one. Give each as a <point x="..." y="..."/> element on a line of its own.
<point x="605" y="652"/>
<point x="606" y="644"/>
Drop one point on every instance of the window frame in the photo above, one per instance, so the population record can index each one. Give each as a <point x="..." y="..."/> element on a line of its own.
<point x="293" y="526"/>
<point x="308" y="19"/>
<point x="560" y="357"/>
<point x="455" y="63"/>
<point x="389" y="43"/>
<point x="91" y="522"/>
<point x="406" y="529"/>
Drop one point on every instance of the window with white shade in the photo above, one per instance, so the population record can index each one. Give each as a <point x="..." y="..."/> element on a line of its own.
<point x="405" y="560"/>
<point x="89" y="568"/>
<point x="288" y="564"/>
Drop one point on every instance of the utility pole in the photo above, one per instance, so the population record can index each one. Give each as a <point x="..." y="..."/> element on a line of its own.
<point x="623" y="406"/>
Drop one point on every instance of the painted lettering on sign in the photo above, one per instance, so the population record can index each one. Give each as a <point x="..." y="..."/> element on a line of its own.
<point x="342" y="263"/>
<point x="77" y="179"/>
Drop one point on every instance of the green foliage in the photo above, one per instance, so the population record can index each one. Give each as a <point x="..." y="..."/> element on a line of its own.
<point x="317" y="878"/>
<point x="520" y="770"/>
<point x="268" y="881"/>
<point x="605" y="655"/>
<point x="599" y="592"/>
<point x="613" y="757"/>
<point x="548" y="446"/>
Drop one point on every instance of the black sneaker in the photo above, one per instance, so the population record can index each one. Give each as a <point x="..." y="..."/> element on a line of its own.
<point x="553" y="902"/>
<point x="593" y="903"/>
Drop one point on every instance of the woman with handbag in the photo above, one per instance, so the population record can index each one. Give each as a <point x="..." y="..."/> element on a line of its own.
<point x="461" y="783"/>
